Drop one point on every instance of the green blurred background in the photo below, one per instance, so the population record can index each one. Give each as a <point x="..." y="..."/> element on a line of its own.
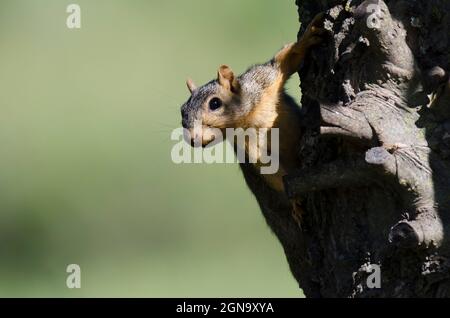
<point x="85" y="170"/>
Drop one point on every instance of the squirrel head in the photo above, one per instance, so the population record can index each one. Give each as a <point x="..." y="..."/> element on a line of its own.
<point x="215" y="105"/>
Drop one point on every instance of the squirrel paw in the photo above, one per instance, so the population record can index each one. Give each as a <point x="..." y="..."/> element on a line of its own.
<point x="313" y="34"/>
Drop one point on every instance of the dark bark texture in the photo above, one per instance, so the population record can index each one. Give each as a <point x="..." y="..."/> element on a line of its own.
<point x="375" y="174"/>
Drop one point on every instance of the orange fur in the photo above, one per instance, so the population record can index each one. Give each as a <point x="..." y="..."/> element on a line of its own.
<point x="272" y="112"/>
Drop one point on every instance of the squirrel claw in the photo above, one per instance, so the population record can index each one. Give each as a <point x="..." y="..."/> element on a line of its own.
<point x="316" y="25"/>
<point x="319" y="18"/>
<point x="297" y="212"/>
<point x="313" y="34"/>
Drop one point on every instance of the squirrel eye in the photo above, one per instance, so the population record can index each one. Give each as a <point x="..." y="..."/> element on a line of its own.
<point x="215" y="103"/>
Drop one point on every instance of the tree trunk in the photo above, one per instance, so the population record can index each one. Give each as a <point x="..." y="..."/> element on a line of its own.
<point x="375" y="174"/>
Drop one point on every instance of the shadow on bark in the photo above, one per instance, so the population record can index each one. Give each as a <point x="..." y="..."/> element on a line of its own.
<point x="375" y="174"/>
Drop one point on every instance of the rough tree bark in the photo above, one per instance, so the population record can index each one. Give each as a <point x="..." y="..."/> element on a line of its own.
<point x="375" y="178"/>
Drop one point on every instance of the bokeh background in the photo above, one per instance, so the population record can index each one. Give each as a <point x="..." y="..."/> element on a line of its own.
<point x="85" y="170"/>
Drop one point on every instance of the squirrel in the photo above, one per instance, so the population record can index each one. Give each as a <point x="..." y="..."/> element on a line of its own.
<point x="256" y="99"/>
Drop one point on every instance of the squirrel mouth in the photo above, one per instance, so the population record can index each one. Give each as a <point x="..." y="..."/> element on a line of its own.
<point x="202" y="137"/>
<point x="199" y="142"/>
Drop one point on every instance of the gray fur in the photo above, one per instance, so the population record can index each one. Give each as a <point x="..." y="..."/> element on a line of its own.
<point x="193" y="107"/>
<point x="253" y="83"/>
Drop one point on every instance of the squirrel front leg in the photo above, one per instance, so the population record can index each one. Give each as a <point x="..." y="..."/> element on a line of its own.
<point x="292" y="55"/>
<point x="289" y="60"/>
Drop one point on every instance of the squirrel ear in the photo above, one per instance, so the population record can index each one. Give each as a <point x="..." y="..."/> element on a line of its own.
<point x="190" y="85"/>
<point x="226" y="78"/>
